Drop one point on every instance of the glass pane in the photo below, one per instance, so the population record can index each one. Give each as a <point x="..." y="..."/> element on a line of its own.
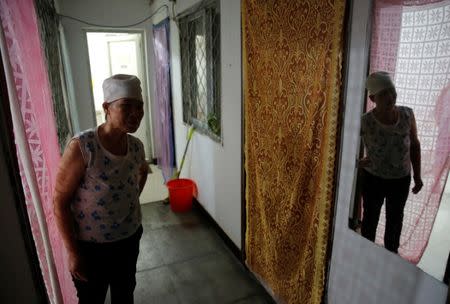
<point x="198" y="68"/>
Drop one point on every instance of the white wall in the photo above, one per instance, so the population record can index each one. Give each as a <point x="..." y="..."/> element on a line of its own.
<point x="361" y="271"/>
<point x="104" y="12"/>
<point x="215" y="167"/>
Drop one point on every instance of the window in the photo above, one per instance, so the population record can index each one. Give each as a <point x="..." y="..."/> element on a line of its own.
<point x="200" y="69"/>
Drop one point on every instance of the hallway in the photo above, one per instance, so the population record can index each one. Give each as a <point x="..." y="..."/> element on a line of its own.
<point x="183" y="260"/>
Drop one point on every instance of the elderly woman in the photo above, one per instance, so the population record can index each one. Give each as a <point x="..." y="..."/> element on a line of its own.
<point x="96" y="199"/>
<point x="390" y="139"/>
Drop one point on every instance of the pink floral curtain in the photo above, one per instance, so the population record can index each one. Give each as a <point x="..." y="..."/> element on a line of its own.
<point x="411" y="40"/>
<point x="386" y="28"/>
<point x="28" y="75"/>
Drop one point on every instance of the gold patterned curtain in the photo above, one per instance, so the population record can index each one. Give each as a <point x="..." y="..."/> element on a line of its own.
<point x="292" y="80"/>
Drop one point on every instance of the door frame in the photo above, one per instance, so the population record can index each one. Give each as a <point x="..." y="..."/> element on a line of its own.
<point x="142" y="65"/>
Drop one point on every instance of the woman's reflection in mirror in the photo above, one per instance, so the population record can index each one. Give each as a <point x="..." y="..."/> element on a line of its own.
<point x="389" y="135"/>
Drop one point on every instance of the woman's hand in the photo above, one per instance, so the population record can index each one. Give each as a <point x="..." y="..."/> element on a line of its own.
<point x="77" y="267"/>
<point x="418" y="184"/>
<point x="364" y="162"/>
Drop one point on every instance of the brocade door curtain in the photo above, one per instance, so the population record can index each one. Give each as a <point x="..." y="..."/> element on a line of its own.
<point x="36" y="139"/>
<point x="411" y="41"/>
<point x="162" y="106"/>
<point x="292" y="61"/>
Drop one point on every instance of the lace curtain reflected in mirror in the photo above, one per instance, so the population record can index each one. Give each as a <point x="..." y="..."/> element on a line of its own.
<point x="412" y="44"/>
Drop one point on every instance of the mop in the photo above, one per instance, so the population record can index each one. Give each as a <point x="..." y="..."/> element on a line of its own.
<point x="176" y="175"/>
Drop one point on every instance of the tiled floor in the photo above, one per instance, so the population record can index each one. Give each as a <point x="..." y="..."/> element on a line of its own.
<point x="183" y="260"/>
<point x="155" y="189"/>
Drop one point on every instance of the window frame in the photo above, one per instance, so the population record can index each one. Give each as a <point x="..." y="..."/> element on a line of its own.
<point x="209" y="14"/>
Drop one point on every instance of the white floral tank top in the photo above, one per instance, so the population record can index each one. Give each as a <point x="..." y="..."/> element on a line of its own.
<point x="106" y="205"/>
<point x="388" y="146"/>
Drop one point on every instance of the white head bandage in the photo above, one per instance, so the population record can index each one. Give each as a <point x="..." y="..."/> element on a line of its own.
<point x="378" y="81"/>
<point x="121" y="86"/>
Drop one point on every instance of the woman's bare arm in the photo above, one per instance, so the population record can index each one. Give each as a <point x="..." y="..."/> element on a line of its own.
<point x="70" y="172"/>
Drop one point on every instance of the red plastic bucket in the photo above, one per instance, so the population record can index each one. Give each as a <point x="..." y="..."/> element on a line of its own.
<point x="181" y="192"/>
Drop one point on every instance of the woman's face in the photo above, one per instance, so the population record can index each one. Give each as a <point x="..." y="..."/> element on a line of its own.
<point x="385" y="100"/>
<point x="125" y="114"/>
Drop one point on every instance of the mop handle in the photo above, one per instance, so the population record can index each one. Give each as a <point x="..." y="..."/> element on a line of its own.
<point x="191" y="132"/>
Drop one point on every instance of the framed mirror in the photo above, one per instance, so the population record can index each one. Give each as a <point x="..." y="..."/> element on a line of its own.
<point x="402" y="190"/>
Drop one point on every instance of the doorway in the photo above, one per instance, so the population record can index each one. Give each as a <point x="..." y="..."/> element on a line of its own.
<point x="113" y="53"/>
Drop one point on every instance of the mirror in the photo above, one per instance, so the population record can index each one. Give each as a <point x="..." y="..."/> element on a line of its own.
<point x="402" y="189"/>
